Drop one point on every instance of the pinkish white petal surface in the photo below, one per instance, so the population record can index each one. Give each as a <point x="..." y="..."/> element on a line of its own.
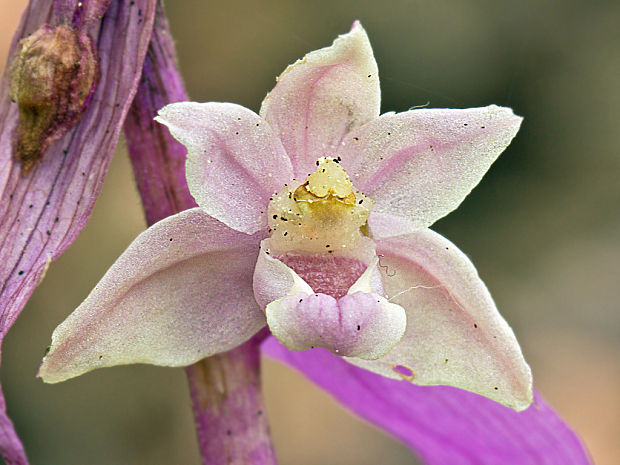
<point x="356" y="325"/>
<point x="454" y="335"/>
<point x="421" y="164"/>
<point x="182" y="291"/>
<point x="321" y="97"/>
<point x="388" y="225"/>
<point x="370" y="281"/>
<point x="234" y="161"/>
<point x="273" y="279"/>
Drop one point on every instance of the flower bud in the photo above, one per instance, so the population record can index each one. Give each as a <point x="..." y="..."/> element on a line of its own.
<point x="51" y="77"/>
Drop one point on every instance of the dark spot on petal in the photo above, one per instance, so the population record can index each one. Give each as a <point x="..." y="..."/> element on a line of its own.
<point x="20" y="272"/>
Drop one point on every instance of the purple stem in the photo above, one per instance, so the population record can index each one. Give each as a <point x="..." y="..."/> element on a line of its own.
<point x="226" y="391"/>
<point x="229" y="408"/>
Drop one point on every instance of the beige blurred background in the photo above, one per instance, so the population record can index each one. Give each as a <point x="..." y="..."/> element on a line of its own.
<point x="543" y="227"/>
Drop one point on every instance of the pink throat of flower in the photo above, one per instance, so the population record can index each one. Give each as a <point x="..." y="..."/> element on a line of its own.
<point x="325" y="274"/>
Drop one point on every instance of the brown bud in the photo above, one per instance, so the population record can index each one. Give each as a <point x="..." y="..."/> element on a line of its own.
<point x="51" y="77"/>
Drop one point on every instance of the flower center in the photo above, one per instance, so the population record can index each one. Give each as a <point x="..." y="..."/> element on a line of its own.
<point x="323" y="214"/>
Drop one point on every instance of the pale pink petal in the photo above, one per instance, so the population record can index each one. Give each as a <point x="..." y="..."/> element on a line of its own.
<point x="182" y="291"/>
<point x="421" y="164"/>
<point x="370" y="281"/>
<point x="321" y="97"/>
<point x="234" y="162"/>
<point x="273" y="279"/>
<point x="455" y="335"/>
<point x="388" y="225"/>
<point x="356" y="325"/>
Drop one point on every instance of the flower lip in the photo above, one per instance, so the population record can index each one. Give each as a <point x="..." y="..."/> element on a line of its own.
<point x="361" y="323"/>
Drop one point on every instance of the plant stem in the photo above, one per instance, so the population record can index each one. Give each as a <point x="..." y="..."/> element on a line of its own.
<point x="228" y="405"/>
<point x="226" y="392"/>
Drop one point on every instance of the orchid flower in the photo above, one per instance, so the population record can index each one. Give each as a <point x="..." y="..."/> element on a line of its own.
<point x="312" y="220"/>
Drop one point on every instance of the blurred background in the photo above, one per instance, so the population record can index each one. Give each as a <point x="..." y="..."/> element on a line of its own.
<point x="543" y="227"/>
